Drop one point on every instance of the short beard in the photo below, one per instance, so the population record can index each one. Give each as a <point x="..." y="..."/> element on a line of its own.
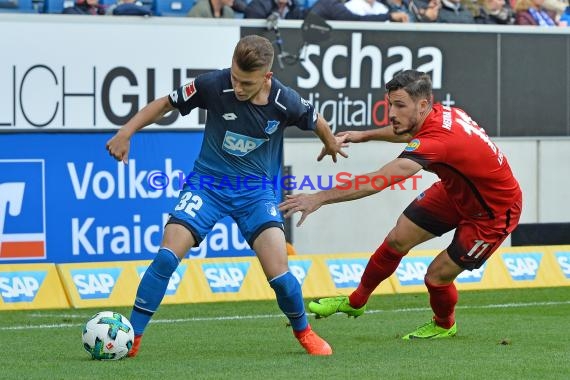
<point x="413" y="123"/>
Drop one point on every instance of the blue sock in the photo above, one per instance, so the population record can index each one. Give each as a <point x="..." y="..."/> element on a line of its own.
<point x="152" y="288"/>
<point x="290" y="300"/>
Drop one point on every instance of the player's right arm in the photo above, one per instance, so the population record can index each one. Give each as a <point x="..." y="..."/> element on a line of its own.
<point x="361" y="186"/>
<point x="378" y="134"/>
<point x="118" y="146"/>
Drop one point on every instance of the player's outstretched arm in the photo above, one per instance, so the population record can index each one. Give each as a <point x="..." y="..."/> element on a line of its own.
<point x="118" y="146"/>
<point x="378" y="134"/>
<point x="332" y="145"/>
<point x="361" y="186"/>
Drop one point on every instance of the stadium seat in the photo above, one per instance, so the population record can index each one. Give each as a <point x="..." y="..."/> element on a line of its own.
<point x="56" y="6"/>
<point x="309" y="3"/>
<point x="107" y="3"/>
<point x="17" y="6"/>
<point x="172" y="8"/>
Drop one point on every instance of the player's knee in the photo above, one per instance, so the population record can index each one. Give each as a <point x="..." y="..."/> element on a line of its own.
<point x="395" y="241"/>
<point x="164" y="263"/>
<point x="285" y="284"/>
<point x="437" y="278"/>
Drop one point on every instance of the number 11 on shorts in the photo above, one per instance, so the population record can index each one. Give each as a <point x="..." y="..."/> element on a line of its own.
<point x="479" y="247"/>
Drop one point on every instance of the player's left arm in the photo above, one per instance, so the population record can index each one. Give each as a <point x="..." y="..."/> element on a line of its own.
<point x="332" y="144"/>
<point x="378" y="134"/>
<point x="361" y="186"/>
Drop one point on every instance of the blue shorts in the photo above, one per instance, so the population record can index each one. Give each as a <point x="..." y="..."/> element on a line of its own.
<point x="199" y="209"/>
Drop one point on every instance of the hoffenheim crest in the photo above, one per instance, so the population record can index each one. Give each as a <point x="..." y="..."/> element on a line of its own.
<point x="271" y="209"/>
<point x="271" y="126"/>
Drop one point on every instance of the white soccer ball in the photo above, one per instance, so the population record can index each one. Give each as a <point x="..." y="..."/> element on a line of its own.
<point x="108" y="336"/>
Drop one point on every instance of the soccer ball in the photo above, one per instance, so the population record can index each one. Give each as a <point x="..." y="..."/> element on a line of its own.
<point x="108" y="336"/>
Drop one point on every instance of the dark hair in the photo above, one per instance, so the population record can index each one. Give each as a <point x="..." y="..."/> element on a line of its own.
<point x="253" y="53"/>
<point x="416" y="83"/>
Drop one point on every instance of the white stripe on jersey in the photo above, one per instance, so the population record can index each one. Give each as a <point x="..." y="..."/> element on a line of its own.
<point x="277" y="101"/>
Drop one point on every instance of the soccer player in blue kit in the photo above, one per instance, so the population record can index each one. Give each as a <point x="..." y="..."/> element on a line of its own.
<point x="248" y="111"/>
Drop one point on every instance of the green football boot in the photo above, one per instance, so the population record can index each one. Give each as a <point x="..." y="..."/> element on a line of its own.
<point x="431" y="331"/>
<point x="330" y="305"/>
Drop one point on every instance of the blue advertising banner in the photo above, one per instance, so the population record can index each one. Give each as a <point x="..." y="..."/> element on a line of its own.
<point x="63" y="199"/>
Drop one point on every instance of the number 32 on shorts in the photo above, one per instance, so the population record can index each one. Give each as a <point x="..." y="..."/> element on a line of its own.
<point x="189" y="203"/>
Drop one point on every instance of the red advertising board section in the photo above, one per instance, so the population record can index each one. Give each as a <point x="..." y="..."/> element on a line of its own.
<point x="108" y="284"/>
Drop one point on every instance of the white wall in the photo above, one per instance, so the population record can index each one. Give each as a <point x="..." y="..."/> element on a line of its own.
<point x="542" y="167"/>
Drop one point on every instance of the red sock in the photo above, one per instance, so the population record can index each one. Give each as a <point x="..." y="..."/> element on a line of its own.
<point x="380" y="266"/>
<point x="443" y="299"/>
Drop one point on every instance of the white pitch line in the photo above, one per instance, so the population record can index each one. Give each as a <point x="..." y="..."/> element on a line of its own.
<point x="264" y="316"/>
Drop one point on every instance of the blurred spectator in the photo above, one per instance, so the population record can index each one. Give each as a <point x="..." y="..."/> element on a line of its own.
<point x="336" y="10"/>
<point x="425" y="10"/>
<point x="400" y="6"/>
<point x="283" y="9"/>
<point x="239" y="6"/>
<point x="556" y="6"/>
<point x="453" y="12"/>
<point x="495" y="12"/>
<point x="128" y="8"/>
<point x="531" y="12"/>
<point x="212" y="9"/>
<point x="85" y="7"/>
<point x="366" y="7"/>
<point x="565" y="18"/>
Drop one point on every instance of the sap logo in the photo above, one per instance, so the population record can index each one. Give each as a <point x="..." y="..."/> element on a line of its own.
<point x="229" y="116"/>
<point x="95" y="283"/>
<point x="225" y="277"/>
<point x="299" y="269"/>
<point x="174" y="279"/>
<point x="522" y="266"/>
<point x="563" y="259"/>
<point x="475" y="275"/>
<point x="22" y="209"/>
<point x="20" y="286"/>
<point x="412" y="270"/>
<point x="346" y="273"/>
<point x="240" y="145"/>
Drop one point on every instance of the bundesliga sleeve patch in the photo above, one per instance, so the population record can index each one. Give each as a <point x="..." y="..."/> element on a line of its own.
<point x="412" y="145"/>
<point x="188" y="90"/>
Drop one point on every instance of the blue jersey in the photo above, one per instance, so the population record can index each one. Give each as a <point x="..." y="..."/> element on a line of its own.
<point x="242" y="139"/>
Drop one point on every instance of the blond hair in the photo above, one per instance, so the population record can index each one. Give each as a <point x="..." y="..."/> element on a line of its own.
<point x="254" y="53"/>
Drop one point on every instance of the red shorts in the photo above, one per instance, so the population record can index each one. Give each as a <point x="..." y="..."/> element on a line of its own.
<point x="476" y="237"/>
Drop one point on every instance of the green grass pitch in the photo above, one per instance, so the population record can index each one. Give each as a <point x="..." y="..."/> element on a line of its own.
<point x="503" y="334"/>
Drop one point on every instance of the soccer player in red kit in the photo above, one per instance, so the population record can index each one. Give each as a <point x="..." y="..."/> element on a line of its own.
<point x="477" y="195"/>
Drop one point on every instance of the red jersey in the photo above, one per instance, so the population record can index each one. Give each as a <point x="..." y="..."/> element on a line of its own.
<point x="473" y="170"/>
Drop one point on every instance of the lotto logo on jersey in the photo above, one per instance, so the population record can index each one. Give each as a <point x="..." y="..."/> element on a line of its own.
<point x="346" y="273"/>
<point x="563" y="259"/>
<point x="225" y="277"/>
<point x="299" y="269"/>
<point x="474" y="276"/>
<point x="20" y="286"/>
<point x="95" y="283"/>
<point x="188" y="91"/>
<point x="22" y="209"/>
<point x="412" y="270"/>
<point x="522" y="266"/>
<point x="240" y="145"/>
<point x="174" y="279"/>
